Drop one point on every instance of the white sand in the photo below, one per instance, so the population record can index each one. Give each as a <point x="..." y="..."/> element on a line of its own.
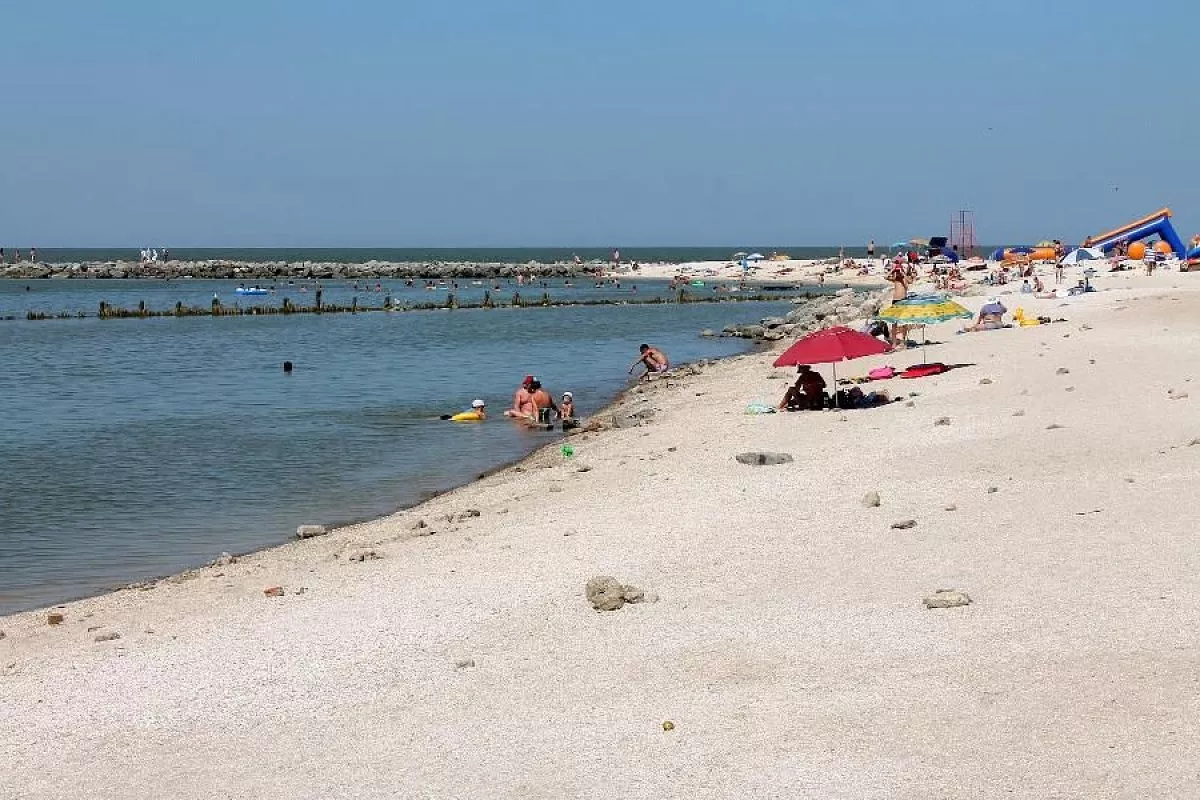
<point x="808" y="271"/>
<point x="790" y="647"/>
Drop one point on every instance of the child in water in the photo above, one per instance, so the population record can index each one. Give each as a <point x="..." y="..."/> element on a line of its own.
<point x="566" y="411"/>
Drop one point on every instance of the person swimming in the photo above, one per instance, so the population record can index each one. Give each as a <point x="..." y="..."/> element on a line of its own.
<point x="478" y="413"/>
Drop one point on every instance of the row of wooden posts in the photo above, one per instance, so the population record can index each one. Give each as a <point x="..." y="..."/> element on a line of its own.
<point x="218" y="309"/>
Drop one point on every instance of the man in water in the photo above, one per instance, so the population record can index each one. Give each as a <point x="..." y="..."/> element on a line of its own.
<point x="543" y="403"/>
<point x="654" y="359"/>
<point x="522" y="406"/>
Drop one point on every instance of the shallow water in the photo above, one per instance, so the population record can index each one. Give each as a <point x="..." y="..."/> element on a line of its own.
<point x="136" y="448"/>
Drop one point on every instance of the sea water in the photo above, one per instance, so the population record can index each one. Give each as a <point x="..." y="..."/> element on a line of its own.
<point x="135" y="448"/>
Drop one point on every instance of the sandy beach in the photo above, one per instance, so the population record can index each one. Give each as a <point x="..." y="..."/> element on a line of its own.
<point x="450" y="651"/>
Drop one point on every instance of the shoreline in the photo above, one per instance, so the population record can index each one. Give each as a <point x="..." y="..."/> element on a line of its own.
<point x="784" y="635"/>
<point x="515" y="464"/>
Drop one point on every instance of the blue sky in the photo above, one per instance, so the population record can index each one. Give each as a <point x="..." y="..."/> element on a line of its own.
<point x="618" y="123"/>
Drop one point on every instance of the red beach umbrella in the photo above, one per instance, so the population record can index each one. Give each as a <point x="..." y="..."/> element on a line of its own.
<point x="830" y="346"/>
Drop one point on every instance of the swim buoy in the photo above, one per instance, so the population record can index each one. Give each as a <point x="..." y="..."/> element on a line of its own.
<point x="467" y="416"/>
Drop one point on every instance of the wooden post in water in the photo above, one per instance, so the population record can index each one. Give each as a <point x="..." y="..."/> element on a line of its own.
<point x="141" y="308"/>
<point x="179" y="308"/>
<point x="487" y="299"/>
<point x="216" y="306"/>
<point x="103" y="310"/>
<point x="516" y="299"/>
<point x="318" y="300"/>
<point x="354" y="304"/>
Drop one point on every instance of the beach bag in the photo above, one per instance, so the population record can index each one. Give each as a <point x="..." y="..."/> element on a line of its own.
<point x="881" y="373"/>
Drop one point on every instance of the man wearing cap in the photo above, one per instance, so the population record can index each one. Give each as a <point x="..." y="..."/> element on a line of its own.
<point x="522" y="406"/>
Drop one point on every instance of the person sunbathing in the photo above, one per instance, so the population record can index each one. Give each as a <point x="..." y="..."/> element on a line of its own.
<point x="986" y="321"/>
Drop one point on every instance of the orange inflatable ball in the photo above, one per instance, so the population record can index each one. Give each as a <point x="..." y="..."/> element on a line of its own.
<point x="1137" y="251"/>
<point x="1162" y="247"/>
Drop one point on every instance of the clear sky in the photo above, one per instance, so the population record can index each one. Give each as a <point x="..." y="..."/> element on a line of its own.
<point x="604" y="123"/>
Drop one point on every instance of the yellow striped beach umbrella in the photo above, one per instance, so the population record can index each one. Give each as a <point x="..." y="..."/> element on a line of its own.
<point x="923" y="309"/>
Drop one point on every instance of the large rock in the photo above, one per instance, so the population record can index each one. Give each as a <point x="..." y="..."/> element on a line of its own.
<point x="758" y="459"/>
<point x="605" y="593"/>
<point x="309" y="531"/>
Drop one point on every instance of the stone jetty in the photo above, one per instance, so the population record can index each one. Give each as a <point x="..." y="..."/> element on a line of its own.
<point x="287" y="270"/>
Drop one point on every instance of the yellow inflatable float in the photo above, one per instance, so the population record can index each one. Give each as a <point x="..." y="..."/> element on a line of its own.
<point x="478" y="413"/>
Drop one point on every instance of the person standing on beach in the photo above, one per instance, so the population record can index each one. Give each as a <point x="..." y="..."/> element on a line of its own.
<point x="33" y="254"/>
<point x="899" y="291"/>
<point x="871" y="250"/>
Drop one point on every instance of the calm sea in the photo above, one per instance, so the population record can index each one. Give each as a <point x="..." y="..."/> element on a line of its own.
<point x="136" y="448"/>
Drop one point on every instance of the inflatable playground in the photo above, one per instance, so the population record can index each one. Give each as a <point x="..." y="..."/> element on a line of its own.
<point x="1150" y="234"/>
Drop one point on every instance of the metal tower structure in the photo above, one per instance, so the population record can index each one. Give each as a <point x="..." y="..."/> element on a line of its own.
<point x="962" y="233"/>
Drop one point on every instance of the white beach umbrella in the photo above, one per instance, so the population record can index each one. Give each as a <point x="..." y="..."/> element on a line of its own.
<point x="1084" y="254"/>
<point x="755" y="257"/>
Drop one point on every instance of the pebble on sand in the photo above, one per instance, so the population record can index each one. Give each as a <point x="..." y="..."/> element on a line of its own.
<point x="363" y="555"/>
<point x="942" y="421"/>
<point x="871" y="500"/>
<point x="112" y="636"/>
<point x="1053" y="426"/>
<point x="309" y="531"/>
<point x="606" y="593"/>
<point x="984" y="381"/>
<point x="1062" y="371"/>
<point x="273" y="591"/>
<point x="54" y="618"/>
<point x="668" y="725"/>
<point x="763" y="459"/>
<point x="464" y="663"/>
<point x="904" y="524"/>
<point x="947" y="598"/>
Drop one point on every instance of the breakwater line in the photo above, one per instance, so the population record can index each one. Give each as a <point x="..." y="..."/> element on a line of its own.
<point x="287" y="306"/>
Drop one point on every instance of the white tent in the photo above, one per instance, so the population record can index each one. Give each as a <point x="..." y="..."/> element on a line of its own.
<point x="1084" y="254"/>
